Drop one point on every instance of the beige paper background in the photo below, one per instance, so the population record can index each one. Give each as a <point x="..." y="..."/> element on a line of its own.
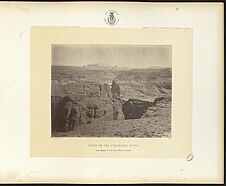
<point x="40" y="94"/>
<point x="16" y="165"/>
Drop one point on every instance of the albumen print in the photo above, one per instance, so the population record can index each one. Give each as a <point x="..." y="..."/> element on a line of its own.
<point x="111" y="91"/>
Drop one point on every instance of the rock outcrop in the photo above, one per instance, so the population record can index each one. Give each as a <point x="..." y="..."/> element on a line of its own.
<point x="144" y="84"/>
<point x="79" y="103"/>
<point x="80" y="96"/>
<point x="134" y="108"/>
<point x="81" y="89"/>
<point x="160" y="110"/>
<point x="117" y="110"/>
<point x="115" y="89"/>
<point x="91" y="102"/>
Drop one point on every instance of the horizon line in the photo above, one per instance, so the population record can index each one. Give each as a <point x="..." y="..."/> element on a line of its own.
<point x="109" y="66"/>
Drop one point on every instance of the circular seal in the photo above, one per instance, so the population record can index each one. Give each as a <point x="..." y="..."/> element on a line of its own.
<point x="111" y="17"/>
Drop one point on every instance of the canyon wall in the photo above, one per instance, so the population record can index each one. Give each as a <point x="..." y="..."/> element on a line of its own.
<point x="79" y="103"/>
<point x="80" y="96"/>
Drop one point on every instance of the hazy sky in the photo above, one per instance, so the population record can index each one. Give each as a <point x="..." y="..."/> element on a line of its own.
<point x="138" y="56"/>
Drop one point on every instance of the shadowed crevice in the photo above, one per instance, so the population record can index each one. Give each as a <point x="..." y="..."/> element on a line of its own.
<point x="134" y="108"/>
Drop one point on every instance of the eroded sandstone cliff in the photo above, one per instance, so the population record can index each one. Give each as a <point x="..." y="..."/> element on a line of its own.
<point x="81" y="98"/>
<point x="79" y="103"/>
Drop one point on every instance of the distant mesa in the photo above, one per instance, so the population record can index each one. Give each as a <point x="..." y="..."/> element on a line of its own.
<point x="104" y="67"/>
<point x="157" y="67"/>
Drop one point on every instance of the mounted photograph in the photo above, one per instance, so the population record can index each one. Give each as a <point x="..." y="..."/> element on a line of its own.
<point x="129" y="90"/>
<point x="120" y="91"/>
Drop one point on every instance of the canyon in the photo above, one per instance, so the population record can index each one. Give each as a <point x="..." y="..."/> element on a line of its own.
<point x="110" y="103"/>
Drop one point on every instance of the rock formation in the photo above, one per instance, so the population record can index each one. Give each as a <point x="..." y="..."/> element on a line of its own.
<point x="115" y="89"/>
<point x="81" y="97"/>
<point x="80" y="103"/>
<point x="134" y="108"/>
<point x="144" y="84"/>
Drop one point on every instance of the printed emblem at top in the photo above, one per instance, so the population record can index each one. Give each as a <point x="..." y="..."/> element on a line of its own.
<point x="111" y="17"/>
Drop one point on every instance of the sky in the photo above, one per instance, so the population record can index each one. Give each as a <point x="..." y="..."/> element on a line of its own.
<point x="133" y="56"/>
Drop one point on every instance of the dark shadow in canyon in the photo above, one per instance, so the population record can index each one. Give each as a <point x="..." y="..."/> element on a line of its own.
<point x="134" y="108"/>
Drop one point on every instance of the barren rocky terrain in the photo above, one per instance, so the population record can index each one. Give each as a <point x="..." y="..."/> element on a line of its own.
<point x="111" y="103"/>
